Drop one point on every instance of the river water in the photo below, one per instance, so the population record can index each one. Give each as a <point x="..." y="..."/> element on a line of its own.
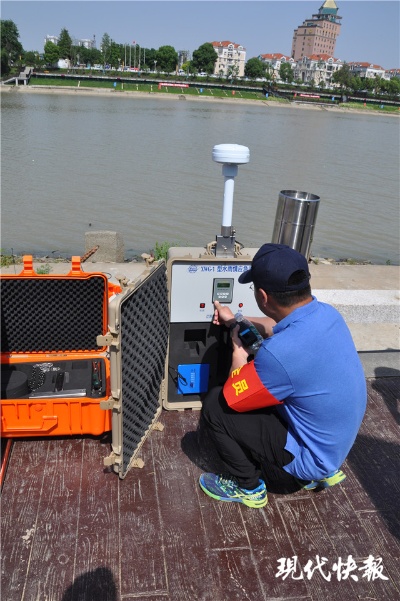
<point x="142" y="166"/>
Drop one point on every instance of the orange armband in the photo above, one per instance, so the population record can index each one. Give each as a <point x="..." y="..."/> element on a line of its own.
<point x="244" y="391"/>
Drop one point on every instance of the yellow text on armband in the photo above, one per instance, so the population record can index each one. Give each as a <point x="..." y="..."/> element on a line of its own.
<point x="240" y="387"/>
<point x="236" y="372"/>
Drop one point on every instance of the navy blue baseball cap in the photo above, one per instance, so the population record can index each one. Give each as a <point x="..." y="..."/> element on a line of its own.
<point x="277" y="268"/>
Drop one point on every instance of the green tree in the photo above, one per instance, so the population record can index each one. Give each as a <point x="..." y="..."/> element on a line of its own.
<point x="186" y="66"/>
<point x="90" y="56"/>
<point x="356" y="83"/>
<point x="220" y="74"/>
<point x="232" y="73"/>
<point x="254" y="68"/>
<point x="115" y="55"/>
<point x="286" y="72"/>
<point x="269" y="72"/>
<point x="65" y="44"/>
<point x="51" y="53"/>
<point x="379" y="84"/>
<point x="204" y="58"/>
<point x="31" y="58"/>
<point x="11" y="48"/>
<point x="148" y="58"/>
<point x="5" y="66"/>
<point x="369" y="84"/>
<point x="167" y="59"/>
<point x="394" y="86"/>
<point x="106" y="48"/>
<point x="343" y="77"/>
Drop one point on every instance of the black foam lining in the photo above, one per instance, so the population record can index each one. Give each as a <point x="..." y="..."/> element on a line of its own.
<point x="21" y="380"/>
<point x="144" y="339"/>
<point x="14" y="383"/>
<point x="50" y="315"/>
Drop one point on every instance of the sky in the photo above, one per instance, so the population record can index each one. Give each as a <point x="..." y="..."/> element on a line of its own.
<point x="369" y="30"/>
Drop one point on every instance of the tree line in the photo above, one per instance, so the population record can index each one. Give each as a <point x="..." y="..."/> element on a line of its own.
<point x="344" y="78"/>
<point x="111" y="54"/>
<point x="165" y="59"/>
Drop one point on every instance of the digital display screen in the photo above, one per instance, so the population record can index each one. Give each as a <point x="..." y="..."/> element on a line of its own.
<point x="223" y="290"/>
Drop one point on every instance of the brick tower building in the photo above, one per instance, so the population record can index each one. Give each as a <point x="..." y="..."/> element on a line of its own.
<point x="318" y="34"/>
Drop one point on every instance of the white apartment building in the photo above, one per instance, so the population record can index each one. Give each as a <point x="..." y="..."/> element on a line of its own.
<point x="85" y="43"/>
<point x="364" y="70"/>
<point x="274" y="62"/>
<point x="392" y="73"/>
<point x="231" y="59"/>
<point x="51" y="38"/>
<point x="317" y="68"/>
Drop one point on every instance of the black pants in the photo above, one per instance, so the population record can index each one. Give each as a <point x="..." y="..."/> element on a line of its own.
<point x="251" y="445"/>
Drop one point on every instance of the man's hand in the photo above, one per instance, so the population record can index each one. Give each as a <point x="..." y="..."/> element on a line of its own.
<point x="240" y="353"/>
<point x="222" y="315"/>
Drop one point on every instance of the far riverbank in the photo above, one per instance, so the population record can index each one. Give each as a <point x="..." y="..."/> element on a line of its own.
<point x="267" y="102"/>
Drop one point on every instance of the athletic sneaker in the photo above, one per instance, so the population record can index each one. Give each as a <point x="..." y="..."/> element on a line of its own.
<point x="226" y="489"/>
<point x="330" y="480"/>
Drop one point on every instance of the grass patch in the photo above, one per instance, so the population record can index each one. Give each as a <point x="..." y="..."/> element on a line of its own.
<point x="199" y="90"/>
<point x="161" y="249"/>
<point x="381" y="108"/>
<point x="43" y="269"/>
<point x="123" y="86"/>
<point x="6" y="259"/>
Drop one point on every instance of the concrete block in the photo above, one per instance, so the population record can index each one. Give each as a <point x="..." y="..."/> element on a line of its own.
<point x="364" y="306"/>
<point x="111" y="248"/>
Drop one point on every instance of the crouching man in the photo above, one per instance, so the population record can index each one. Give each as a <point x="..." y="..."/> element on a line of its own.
<point x="288" y="418"/>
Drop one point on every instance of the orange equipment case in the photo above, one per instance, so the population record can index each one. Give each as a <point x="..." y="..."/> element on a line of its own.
<point x="53" y="374"/>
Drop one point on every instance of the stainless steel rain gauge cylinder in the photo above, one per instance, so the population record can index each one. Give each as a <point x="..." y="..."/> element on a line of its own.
<point x="295" y="219"/>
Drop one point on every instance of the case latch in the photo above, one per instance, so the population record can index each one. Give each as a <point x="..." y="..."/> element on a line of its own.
<point x="107" y="340"/>
<point x="111" y="460"/>
<point x="111" y="403"/>
<point x="114" y="459"/>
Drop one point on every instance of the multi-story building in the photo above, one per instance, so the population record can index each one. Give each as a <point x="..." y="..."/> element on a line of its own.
<point x="274" y="62"/>
<point x="183" y="57"/>
<point x="389" y="73"/>
<point x="86" y="43"/>
<point x="366" y="70"/>
<point x="317" y="69"/>
<point x="51" y="38"/>
<point x="318" y="34"/>
<point x="231" y="59"/>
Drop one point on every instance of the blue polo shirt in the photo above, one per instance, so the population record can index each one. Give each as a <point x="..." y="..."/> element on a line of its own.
<point x="312" y="365"/>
